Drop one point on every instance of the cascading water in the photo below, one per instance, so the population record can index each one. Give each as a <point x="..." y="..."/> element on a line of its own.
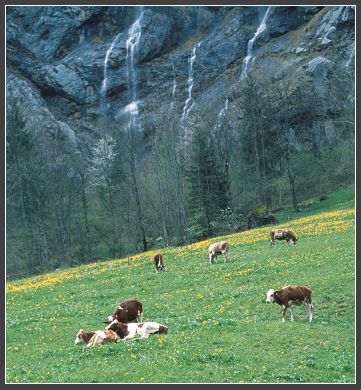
<point x="174" y="86"/>
<point x="188" y="105"/>
<point x="103" y="89"/>
<point x="219" y="121"/>
<point x="247" y="61"/>
<point x="134" y="34"/>
<point x="220" y="116"/>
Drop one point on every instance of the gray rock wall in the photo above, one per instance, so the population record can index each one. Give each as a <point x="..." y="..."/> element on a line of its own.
<point x="55" y="55"/>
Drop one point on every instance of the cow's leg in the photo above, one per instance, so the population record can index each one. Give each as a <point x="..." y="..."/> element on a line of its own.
<point x="211" y="257"/>
<point x="310" y="313"/>
<point x="140" y="316"/>
<point x="309" y="307"/>
<point x="155" y="268"/>
<point x="310" y="310"/>
<point x="284" y="309"/>
<point x="225" y="256"/>
<point x="291" y="314"/>
<point x="92" y="341"/>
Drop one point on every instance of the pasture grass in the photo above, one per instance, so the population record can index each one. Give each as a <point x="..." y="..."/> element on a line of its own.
<point x="220" y="328"/>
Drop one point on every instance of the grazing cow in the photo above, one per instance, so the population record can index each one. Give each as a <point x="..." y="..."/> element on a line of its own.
<point x="158" y="262"/>
<point x="218" y="248"/>
<point x="99" y="337"/>
<point x="128" y="310"/>
<point x="290" y="295"/>
<point x="140" y="330"/>
<point x="283" y="234"/>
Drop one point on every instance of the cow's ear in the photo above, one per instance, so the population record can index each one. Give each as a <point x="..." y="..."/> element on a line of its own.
<point x="275" y="294"/>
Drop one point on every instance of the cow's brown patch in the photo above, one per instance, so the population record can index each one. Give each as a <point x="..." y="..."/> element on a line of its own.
<point x="127" y="311"/>
<point x="120" y="329"/>
<point x="163" y="329"/>
<point x="86" y="336"/>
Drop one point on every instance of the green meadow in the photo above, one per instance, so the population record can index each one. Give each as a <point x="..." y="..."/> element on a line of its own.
<point x="220" y="327"/>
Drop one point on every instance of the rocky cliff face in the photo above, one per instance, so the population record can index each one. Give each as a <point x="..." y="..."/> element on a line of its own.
<point x="76" y="67"/>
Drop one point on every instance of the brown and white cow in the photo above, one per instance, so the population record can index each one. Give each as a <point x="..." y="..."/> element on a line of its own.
<point x="99" y="337"/>
<point x="290" y="295"/>
<point x="218" y="248"/>
<point x="140" y="330"/>
<point x="158" y="261"/>
<point x="283" y="234"/>
<point x="128" y="310"/>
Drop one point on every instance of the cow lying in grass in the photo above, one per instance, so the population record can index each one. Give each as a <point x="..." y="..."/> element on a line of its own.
<point x="99" y="337"/>
<point x="218" y="248"/>
<point x="290" y="295"/>
<point x="158" y="261"/>
<point x="140" y="330"/>
<point x="128" y="310"/>
<point x="283" y="234"/>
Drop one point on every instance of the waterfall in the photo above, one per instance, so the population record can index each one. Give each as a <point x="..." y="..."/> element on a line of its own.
<point x="103" y="89"/>
<point x="174" y="85"/>
<point x="220" y="116"/>
<point x="188" y="105"/>
<point x="247" y="60"/>
<point x="134" y="34"/>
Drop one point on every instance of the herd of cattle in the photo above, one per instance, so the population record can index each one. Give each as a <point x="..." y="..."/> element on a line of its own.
<point x="121" y="327"/>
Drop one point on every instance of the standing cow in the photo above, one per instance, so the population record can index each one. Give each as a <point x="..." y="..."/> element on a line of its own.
<point x="283" y="234"/>
<point x="218" y="248"/>
<point x="128" y="310"/>
<point x="290" y="295"/>
<point x="158" y="261"/>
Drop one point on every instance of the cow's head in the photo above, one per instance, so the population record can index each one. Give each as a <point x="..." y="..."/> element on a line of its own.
<point x="270" y="296"/>
<point x="293" y="240"/>
<point x="80" y="337"/>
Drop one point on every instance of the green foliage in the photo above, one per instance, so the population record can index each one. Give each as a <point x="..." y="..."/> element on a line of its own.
<point x="259" y="216"/>
<point x="206" y="183"/>
<point x="228" y="221"/>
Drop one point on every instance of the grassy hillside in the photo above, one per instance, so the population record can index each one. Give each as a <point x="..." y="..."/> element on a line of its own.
<point x="220" y="328"/>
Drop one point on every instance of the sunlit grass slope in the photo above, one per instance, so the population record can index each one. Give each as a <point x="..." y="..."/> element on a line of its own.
<point x="220" y="328"/>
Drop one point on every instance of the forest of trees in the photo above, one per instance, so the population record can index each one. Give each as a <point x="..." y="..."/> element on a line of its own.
<point x="126" y="193"/>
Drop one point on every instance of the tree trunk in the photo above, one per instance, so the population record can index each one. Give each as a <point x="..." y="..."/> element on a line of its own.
<point x="139" y="210"/>
<point x="85" y="214"/>
<point x="291" y="179"/>
<point x="316" y="139"/>
<point x="257" y="164"/>
<point x="161" y="198"/>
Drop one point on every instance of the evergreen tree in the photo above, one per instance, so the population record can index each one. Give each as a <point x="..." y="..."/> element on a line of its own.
<point x="207" y="193"/>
